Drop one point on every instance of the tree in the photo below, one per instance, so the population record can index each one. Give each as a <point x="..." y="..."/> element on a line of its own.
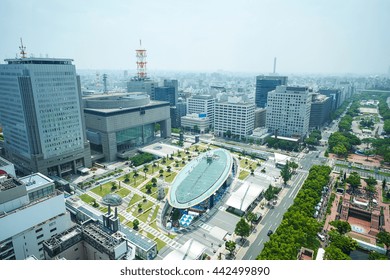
<point x="154" y="181"/>
<point x="384" y="237"/>
<point x="334" y="253"/>
<point x="113" y="186"/>
<point x="384" y="183"/>
<point x="139" y="207"/>
<point x="371" y="191"/>
<point x="148" y="188"/>
<point x="127" y="177"/>
<point x="386" y="126"/>
<point x="230" y="246"/>
<point x="293" y="165"/>
<point x="371" y="181"/>
<point x="228" y="133"/>
<point x="250" y="217"/>
<point x="242" y="228"/>
<point x="161" y="171"/>
<point x="169" y="168"/>
<point x="135" y="224"/>
<point x="340" y="150"/>
<point x="146" y="169"/>
<point x="341" y="226"/>
<point x="269" y="194"/>
<point x="354" y="181"/>
<point x="286" y="173"/>
<point x="376" y="256"/>
<point x="343" y="242"/>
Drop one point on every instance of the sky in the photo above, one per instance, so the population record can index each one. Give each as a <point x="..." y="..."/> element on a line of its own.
<point x="306" y="36"/>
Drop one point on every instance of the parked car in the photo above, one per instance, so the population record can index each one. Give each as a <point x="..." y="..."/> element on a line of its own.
<point x="270" y="232"/>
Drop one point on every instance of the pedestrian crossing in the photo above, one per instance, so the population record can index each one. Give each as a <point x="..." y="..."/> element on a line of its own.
<point x="206" y="226"/>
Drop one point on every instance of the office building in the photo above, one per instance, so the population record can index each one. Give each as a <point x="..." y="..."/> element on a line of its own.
<point x="42" y="118"/>
<point x="335" y="94"/>
<point x="167" y="94"/>
<point x="321" y="106"/>
<point x="142" y="85"/>
<point x="202" y="104"/>
<point x="197" y="123"/>
<point x="118" y="123"/>
<point x="288" y="111"/>
<point x="260" y="116"/>
<point x="265" y="84"/>
<point x="177" y="112"/>
<point x="31" y="211"/>
<point x="234" y="118"/>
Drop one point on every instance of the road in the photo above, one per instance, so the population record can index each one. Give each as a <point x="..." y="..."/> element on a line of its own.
<point x="274" y="217"/>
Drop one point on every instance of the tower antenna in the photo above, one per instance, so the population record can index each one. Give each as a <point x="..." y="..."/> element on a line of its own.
<point x="141" y="62"/>
<point x="22" y="49"/>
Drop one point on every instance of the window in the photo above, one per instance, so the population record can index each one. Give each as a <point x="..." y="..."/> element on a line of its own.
<point x="40" y="236"/>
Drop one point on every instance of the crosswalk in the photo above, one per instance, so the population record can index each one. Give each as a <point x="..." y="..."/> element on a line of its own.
<point x="206" y="226"/>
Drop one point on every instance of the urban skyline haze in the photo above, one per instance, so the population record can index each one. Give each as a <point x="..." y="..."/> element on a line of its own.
<point x="323" y="37"/>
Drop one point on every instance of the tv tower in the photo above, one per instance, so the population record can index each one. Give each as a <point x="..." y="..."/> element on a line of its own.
<point x="141" y="62"/>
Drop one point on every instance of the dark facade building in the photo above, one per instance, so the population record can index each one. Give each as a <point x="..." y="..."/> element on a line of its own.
<point x="265" y="84"/>
<point x="321" y="106"/>
<point x="335" y="95"/>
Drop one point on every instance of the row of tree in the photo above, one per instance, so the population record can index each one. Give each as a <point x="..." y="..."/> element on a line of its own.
<point x="341" y="143"/>
<point x="298" y="227"/>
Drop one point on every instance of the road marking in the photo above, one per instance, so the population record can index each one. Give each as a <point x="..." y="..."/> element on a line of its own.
<point x="250" y="256"/>
<point x="260" y="241"/>
<point x="277" y="215"/>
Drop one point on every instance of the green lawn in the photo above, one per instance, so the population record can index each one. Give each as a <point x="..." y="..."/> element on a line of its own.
<point x="243" y="174"/>
<point x="160" y="244"/>
<point x="384" y="198"/>
<point x="145" y="206"/>
<point x="121" y="218"/>
<point x="135" y="199"/>
<point x="86" y="198"/>
<point x="102" y="190"/>
<point x="144" y="216"/>
<point x="155" y="213"/>
<point x="123" y="192"/>
<point x="169" y="176"/>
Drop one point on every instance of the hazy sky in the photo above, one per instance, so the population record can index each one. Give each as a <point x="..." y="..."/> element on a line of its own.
<point x="306" y="36"/>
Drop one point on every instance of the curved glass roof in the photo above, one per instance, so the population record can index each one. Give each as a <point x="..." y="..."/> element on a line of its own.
<point x="200" y="178"/>
<point x="112" y="199"/>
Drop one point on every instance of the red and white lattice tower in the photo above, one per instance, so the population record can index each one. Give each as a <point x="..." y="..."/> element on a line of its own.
<point x="141" y="62"/>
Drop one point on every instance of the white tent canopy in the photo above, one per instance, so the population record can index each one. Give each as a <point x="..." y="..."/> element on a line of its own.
<point x="191" y="250"/>
<point x="244" y="196"/>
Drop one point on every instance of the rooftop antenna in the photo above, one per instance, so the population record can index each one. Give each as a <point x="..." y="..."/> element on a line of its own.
<point x="141" y="62"/>
<point x="22" y="49"/>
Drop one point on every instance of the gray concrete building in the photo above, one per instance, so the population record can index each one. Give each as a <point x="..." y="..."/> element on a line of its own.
<point x="142" y="85"/>
<point x="120" y="122"/>
<point x="41" y="115"/>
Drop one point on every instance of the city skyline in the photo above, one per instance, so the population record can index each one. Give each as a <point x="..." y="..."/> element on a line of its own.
<point x="325" y="37"/>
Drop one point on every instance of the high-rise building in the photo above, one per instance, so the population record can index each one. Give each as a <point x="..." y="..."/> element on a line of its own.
<point x="202" y="104"/>
<point x="288" y="111"/>
<point x="334" y="94"/>
<point x="40" y="110"/>
<point x="265" y="84"/>
<point x="321" y="107"/>
<point x="31" y="211"/>
<point x="167" y="94"/>
<point x="260" y="115"/>
<point x="234" y="118"/>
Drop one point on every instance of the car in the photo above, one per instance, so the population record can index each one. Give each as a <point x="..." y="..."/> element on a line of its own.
<point x="270" y="232"/>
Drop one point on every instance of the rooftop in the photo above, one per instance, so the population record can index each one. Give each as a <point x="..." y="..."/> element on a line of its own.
<point x="35" y="180"/>
<point x="200" y="178"/>
<point x="34" y="60"/>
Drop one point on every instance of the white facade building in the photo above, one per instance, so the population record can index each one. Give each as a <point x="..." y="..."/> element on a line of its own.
<point x="288" y="111"/>
<point x="40" y="110"/>
<point x="31" y="211"/>
<point x="191" y="121"/>
<point x="202" y="104"/>
<point x="234" y="116"/>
